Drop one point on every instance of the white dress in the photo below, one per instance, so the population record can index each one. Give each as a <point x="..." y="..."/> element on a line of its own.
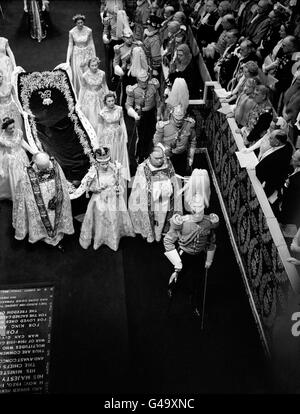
<point x="8" y="107"/>
<point x="113" y="134"/>
<point x="6" y="64"/>
<point x="106" y="219"/>
<point x="81" y="48"/>
<point x="91" y="95"/>
<point x="13" y="160"/>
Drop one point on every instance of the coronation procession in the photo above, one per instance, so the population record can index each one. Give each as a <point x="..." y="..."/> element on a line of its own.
<point x="145" y="147"/>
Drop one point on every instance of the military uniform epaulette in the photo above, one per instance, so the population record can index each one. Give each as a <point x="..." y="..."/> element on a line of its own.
<point x="190" y="119"/>
<point x="117" y="48"/>
<point x="130" y="89"/>
<point x="162" y="124"/>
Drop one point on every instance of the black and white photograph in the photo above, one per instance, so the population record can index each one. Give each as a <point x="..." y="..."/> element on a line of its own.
<point x="149" y="214"/>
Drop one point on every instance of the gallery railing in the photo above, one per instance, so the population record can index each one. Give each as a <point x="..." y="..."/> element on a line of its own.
<point x="272" y="284"/>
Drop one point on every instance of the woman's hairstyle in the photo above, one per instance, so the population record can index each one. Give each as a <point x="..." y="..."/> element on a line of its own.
<point x="109" y="95"/>
<point x="94" y="59"/>
<point x="251" y="83"/>
<point x="229" y="18"/>
<point x="78" y="17"/>
<point x="7" y="121"/>
<point x="234" y="32"/>
<point x="226" y="5"/>
<point x="252" y="67"/>
<point x="263" y="89"/>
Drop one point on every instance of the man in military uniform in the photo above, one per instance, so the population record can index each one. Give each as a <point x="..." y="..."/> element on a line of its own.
<point x="194" y="233"/>
<point x="111" y="19"/>
<point x="169" y="42"/>
<point x="142" y="101"/>
<point x="167" y="17"/>
<point x="142" y="14"/>
<point x="178" y="137"/>
<point x="152" y="45"/>
<point x="121" y="65"/>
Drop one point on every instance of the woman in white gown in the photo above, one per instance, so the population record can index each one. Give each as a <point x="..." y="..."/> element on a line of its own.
<point x="113" y="133"/>
<point x="13" y="158"/>
<point x="106" y="219"/>
<point x="81" y="49"/>
<point x="92" y="91"/>
<point x="7" y="59"/>
<point x="8" y="107"/>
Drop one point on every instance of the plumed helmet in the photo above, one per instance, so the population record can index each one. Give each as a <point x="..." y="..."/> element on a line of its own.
<point x="127" y="32"/>
<point x="178" y="112"/>
<point x="142" y="75"/>
<point x="197" y="203"/>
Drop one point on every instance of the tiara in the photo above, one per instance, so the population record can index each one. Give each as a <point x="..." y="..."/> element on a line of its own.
<point x="102" y="154"/>
<point x="78" y="17"/>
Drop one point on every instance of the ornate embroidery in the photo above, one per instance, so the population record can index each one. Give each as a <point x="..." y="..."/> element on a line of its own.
<point x="58" y="79"/>
<point x="46" y="96"/>
<point x="55" y="204"/>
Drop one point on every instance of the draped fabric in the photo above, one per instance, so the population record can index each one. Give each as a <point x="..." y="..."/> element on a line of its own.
<point x="55" y="125"/>
<point x="37" y="25"/>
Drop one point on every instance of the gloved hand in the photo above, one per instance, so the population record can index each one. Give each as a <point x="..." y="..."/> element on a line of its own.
<point x="173" y="277"/>
<point x="207" y="265"/>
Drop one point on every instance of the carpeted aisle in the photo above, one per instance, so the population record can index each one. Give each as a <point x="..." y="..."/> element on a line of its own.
<point x="169" y="352"/>
<point x="114" y="329"/>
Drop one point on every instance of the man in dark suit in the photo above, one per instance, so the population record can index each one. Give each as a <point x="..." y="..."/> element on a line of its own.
<point x="226" y="64"/>
<point x="257" y="28"/>
<point x="245" y="13"/>
<point x="273" y="168"/>
<point x="205" y="31"/>
<point x="290" y="207"/>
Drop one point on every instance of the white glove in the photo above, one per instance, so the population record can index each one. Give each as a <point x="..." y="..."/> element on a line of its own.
<point x="106" y="40"/>
<point x="119" y="71"/>
<point x="209" y="258"/>
<point x="101" y="17"/>
<point x="131" y="112"/>
<point x="174" y="258"/>
<point x="173" y="278"/>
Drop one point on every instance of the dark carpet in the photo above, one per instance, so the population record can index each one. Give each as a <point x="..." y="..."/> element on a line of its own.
<point x="114" y="328"/>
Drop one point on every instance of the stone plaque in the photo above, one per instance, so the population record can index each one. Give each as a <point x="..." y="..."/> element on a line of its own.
<point x="25" y="333"/>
